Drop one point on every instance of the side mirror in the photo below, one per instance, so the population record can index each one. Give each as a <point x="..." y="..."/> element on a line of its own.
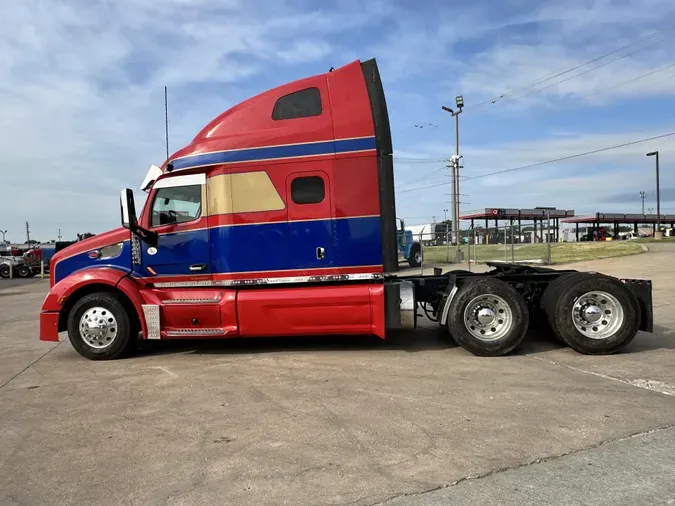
<point x="130" y="221"/>
<point x="128" y="209"/>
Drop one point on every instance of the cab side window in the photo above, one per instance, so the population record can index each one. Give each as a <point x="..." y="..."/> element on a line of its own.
<point x="301" y="104"/>
<point x="179" y="204"/>
<point x="308" y="190"/>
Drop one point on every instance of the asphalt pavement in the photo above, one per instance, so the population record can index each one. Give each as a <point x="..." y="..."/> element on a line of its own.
<point x="636" y="470"/>
<point x="327" y="421"/>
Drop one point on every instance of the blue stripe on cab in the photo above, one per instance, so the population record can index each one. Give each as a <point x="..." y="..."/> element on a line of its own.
<point x="357" y="241"/>
<point x="275" y="152"/>
<point x="346" y="145"/>
<point x="81" y="261"/>
<point x="246" y="248"/>
<point x="267" y="247"/>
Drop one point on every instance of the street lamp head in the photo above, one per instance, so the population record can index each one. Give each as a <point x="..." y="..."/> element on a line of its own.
<point x="459" y="101"/>
<point x="653" y="153"/>
<point x="447" y="109"/>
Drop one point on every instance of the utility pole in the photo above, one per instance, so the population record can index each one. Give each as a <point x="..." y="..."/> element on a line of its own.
<point x="658" y="194"/>
<point x="27" y="233"/>
<point x="3" y="232"/>
<point x="642" y="196"/>
<point x="59" y="236"/>
<point x="459" y="102"/>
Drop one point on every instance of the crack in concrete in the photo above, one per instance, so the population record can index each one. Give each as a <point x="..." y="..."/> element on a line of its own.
<point x="645" y="384"/>
<point x="529" y="463"/>
<point x="29" y="365"/>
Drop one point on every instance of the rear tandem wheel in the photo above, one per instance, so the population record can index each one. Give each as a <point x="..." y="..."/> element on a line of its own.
<point x="592" y="313"/>
<point x="488" y="317"/>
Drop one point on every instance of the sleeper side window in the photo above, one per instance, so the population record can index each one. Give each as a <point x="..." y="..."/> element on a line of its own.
<point x="301" y="104"/>
<point x="179" y="204"/>
<point x="308" y="190"/>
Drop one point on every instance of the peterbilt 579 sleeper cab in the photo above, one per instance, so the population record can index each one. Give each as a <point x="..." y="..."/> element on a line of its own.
<point x="279" y="219"/>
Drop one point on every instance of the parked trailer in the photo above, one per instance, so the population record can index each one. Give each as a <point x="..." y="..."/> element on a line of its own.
<point x="279" y="219"/>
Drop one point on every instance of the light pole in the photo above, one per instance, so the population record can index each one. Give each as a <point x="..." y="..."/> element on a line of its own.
<point x="642" y="196"/>
<point x="3" y="232"/>
<point x="658" y="194"/>
<point x="459" y="102"/>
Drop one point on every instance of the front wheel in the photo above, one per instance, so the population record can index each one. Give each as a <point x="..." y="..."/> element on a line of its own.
<point x="415" y="258"/>
<point x="488" y="317"/>
<point x="99" y="327"/>
<point x="4" y="271"/>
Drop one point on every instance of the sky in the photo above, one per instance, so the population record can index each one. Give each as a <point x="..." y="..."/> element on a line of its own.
<point x="82" y="96"/>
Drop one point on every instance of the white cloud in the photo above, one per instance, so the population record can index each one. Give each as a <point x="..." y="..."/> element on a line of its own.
<point x="571" y="33"/>
<point x="81" y="91"/>
<point x="305" y="50"/>
<point x="81" y="87"/>
<point x="586" y="184"/>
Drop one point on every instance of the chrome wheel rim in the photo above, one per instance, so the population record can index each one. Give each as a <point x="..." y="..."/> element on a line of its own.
<point x="488" y="317"/>
<point x="98" y="327"/>
<point x="597" y="315"/>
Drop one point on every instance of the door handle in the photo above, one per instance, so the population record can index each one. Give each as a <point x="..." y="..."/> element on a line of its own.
<point x="320" y="253"/>
<point x="198" y="267"/>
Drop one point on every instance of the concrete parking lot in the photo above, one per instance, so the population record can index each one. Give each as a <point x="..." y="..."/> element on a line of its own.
<point x="413" y="420"/>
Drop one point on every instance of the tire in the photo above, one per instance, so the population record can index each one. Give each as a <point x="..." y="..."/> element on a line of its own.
<point x="578" y="302"/>
<point x="552" y="294"/>
<point x="4" y="271"/>
<point x="496" y="298"/>
<point x="100" y="307"/>
<point x="415" y="258"/>
<point x="22" y="272"/>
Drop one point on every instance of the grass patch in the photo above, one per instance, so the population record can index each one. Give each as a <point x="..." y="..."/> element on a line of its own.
<point x="561" y="253"/>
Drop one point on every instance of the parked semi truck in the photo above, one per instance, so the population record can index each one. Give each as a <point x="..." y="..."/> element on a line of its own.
<point x="28" y="264"/>
<point x="409" y="249"/>
<point x="279" y="219"/>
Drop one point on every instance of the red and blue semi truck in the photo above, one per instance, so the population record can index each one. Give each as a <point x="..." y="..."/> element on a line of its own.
<point x="279" y="219"/>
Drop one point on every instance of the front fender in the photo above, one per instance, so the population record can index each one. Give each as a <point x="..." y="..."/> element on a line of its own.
<point x="60" y="293"/>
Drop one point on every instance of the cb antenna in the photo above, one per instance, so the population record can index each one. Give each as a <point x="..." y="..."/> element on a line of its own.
<point x="166" y="121"/>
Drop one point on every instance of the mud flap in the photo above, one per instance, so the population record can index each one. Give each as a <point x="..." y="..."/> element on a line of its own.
<point x="642" y="289"/>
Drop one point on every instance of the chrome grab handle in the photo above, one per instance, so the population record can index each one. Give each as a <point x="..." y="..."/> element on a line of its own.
<point x="320" y="253"/>
<point x="198" y="267"/>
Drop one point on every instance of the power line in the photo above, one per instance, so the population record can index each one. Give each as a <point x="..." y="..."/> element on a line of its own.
<point x="562" y="72"/>
<point x="586" y="71"/>
<point x="603" y="90"/>
<point x="425" y="177"/>
<point x="418" y="160"/>
<point x="537" y="164"/>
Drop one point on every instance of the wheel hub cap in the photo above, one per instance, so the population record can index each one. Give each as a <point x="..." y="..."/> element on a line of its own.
<point x="485" y="316"/>
<point x="598" y="315"/>
<point x="98" y="327"/>
<point x="488" y="317"/>
<point x="592" y="313"/>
